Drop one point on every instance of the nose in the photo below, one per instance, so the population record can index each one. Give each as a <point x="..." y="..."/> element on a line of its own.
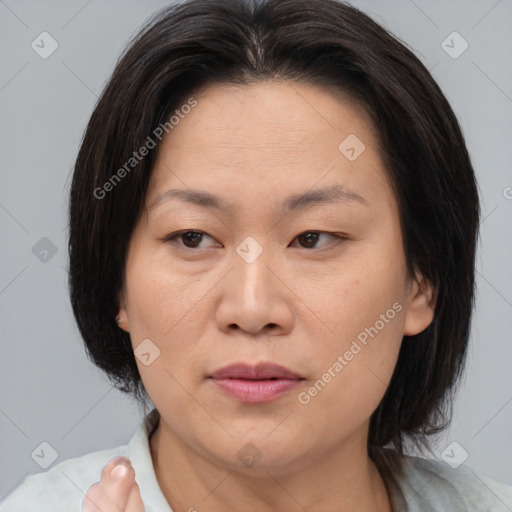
<point x="256" y="297"/>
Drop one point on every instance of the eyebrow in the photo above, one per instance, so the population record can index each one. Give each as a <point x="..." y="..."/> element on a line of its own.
<point x="331" y="194"/>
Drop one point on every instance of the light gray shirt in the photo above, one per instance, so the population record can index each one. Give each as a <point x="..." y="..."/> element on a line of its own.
<point x="428" y="485"/>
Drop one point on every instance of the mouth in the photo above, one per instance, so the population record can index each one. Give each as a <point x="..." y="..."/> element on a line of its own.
<point x="264" y="382"/>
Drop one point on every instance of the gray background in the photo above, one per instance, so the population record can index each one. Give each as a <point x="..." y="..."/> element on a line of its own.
<point x="50" y="391"/>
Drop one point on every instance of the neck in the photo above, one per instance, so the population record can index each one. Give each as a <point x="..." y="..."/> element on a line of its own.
<point x="342" y="480"/>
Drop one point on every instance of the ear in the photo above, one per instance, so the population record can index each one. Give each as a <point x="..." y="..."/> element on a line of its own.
<point x="421" y="304"/>
<point x="122" y="315"/>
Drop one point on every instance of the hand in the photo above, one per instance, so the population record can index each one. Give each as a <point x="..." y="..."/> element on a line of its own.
<point x="115" y="492"/>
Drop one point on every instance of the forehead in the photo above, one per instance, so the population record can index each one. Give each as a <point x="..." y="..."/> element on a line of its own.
<point x="266" y="137"/>
<point x="278" y="115"/>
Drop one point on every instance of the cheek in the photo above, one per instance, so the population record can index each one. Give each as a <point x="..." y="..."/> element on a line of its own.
<point x="161" y="299"/>
<point x="171" y="309"/>
<point x="352" y="376"/>
<point x="364" y="308"/>
<point x="352" y="297"/>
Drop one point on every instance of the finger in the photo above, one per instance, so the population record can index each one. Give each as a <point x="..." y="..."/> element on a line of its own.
<point x="135" y="503"/>
<point x="96" y="500"/>
<point x="118" y="478"/>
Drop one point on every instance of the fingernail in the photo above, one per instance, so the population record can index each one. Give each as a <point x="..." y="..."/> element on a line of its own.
<point x="119" y="472"/>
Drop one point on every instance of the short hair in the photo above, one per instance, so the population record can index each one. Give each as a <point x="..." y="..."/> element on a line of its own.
<point x="327" y="43"/>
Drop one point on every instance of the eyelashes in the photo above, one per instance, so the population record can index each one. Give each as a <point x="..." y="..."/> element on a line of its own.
<point x="188" y="239"/>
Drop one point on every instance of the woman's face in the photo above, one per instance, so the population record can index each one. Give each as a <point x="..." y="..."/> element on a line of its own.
<point x="318" y="285"/>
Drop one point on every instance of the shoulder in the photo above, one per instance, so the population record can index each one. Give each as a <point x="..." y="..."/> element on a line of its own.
<point x="437" y="486"/>
<point x="62" y="487"/>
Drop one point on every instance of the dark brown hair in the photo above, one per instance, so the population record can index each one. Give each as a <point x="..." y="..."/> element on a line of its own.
<point x="321" y="42"/>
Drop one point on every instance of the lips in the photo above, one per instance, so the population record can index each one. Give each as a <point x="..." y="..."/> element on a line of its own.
<point x="258" y="384"/>
<point x="261" y="371"/>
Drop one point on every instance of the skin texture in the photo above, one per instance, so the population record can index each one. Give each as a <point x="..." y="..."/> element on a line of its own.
<point x="301" y="303"/>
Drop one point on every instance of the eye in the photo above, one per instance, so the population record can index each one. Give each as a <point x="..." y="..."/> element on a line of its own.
<point x="310" y="238"/>
<point x="189" y="239"/>
<point x="192" y="239"/>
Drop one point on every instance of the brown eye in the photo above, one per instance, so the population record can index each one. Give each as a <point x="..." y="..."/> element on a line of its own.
<point x="309" y="239"/>
<point x="192" y="238"/>
<point x="188" y="239"/>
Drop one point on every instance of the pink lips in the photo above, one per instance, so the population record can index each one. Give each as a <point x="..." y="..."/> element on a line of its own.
<point x="255" y="384"/>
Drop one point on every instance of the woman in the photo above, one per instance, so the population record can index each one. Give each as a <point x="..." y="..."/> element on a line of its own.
<point x="273" y="223"/>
